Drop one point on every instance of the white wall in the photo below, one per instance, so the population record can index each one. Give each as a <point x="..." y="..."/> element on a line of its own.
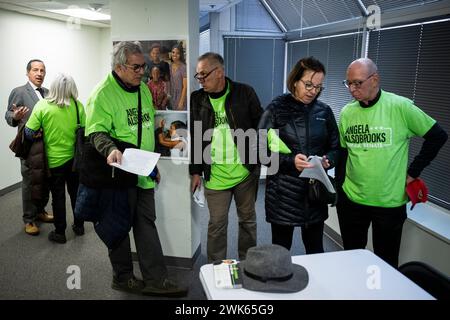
<point x="84" y="54"/>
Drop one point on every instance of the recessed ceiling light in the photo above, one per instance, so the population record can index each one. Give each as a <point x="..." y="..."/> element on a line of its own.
<point x="83" y="14"/>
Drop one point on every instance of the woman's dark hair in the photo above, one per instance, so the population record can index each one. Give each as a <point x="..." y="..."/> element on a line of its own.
<point x="308" y="63"/>
<point x="181" y="50"/>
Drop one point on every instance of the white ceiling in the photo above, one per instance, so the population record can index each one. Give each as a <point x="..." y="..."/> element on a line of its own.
<point x="38" y="7"/>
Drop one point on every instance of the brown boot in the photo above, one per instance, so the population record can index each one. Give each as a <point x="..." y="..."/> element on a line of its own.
<point x="31" y="228"/>
<point x="45" y="217"/>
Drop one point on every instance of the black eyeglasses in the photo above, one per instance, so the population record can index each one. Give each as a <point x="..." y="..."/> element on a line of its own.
<point x="202" y="76"/>
<point x="356" y="83"/>
<point x="137" y="67"/>
<point x="309" y="86"/>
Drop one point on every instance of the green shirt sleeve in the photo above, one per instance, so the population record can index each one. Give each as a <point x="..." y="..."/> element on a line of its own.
<point x="35" y="120"/>
<point x="417" y="121"/>
<point x="99" y="117"/>
<point x="276" y="144"/>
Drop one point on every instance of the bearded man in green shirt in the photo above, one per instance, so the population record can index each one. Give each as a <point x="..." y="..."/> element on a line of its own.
<point x="375" y="130"/>
<point x="112" y="114"/>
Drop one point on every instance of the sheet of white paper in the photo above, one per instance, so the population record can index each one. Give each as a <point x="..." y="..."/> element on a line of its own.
<point x="137" y="161"/>
<point x="317" y="172"/>
<point x="199" y="196"/>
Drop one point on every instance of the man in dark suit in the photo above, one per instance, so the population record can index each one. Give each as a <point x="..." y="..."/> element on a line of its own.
<point x="20" y="104"/>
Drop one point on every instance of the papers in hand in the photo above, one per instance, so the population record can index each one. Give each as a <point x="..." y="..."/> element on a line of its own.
<point x="317" y="172"/>
<point x="199" y="195"/>
<point x="137" y="161"/>
<point x="227" y="274"/>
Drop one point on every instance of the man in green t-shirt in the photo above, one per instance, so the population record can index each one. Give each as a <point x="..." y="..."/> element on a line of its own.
<point x="375" y="130"/>
<point x="112" y="112"/>
<point x="229" y="167"/>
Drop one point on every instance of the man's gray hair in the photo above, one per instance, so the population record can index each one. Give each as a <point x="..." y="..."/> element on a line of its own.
<point x="213" y="58"/>
<point x="62" y="89"/>
<point x="122" y="50"/>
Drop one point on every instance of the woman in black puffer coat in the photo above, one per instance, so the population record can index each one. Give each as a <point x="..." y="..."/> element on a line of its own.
<point x="306" y="127"/>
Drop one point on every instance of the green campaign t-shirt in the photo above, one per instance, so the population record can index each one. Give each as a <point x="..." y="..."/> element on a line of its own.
<point x="226" y="167"/>
<point x="59" y="125"/>
<point x="377" y="140"/>
<point x="113" y="110"/>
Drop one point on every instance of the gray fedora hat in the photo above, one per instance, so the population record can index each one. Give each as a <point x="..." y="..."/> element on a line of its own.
<point x="269" y="268"/>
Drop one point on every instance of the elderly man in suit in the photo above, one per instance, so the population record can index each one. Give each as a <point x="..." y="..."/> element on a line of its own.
<point x="20" y="104"/>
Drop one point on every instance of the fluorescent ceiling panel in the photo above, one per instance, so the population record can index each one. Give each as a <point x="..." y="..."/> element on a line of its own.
<point x="83" y="14"/>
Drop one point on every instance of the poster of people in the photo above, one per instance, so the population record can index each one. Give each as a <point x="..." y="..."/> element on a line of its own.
<point x="166" y="73"/>
<point x="166" y="77"/>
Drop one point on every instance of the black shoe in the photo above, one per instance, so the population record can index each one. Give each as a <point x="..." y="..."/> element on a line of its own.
<point x="132" y="285"/>
<point x="166" y="288"/>
<point x="56" y="237"/>
<point x="78" y="230"/>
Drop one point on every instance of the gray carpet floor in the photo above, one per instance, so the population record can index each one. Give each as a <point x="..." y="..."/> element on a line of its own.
<point x="32" y="267"/>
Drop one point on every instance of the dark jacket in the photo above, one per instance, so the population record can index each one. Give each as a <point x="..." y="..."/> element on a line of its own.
<point x="243" y="111"/>
<point x="108" y="209"/>
<point x="310" y="130"/>
<point x="96" y="173"/>
<point x="37" y="162"/>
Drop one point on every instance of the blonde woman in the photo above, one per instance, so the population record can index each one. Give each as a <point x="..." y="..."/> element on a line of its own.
<point x="57" y="116"/>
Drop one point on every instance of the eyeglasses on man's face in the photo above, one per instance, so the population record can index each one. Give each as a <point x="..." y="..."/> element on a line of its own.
<point x="309" y="86"/>
<point x="201" y="76"/>
<point x="356" y="83"/>
<point x="137" y="67"/>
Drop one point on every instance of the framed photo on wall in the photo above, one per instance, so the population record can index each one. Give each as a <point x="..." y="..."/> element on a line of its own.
<point x="166" y="73"/>
<point x="171" y="134"/>
<point x="166" y="78"/>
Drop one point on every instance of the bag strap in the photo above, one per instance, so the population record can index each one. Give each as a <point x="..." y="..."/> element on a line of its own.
<point x="139" y="119"/>
<point x="78" y="114"/>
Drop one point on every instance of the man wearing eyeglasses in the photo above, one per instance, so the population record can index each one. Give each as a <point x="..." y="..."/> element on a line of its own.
<point x="217" y="110"/>
<point x="375" y="130"/>
<point x="120" y="111"/>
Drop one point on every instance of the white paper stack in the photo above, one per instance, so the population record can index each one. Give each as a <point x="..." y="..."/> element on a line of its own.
<point x="138" y="161"/>
<point x="318" y="173"/>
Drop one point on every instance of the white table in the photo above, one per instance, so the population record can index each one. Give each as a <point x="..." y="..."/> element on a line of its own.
<point x="352" y="274"/>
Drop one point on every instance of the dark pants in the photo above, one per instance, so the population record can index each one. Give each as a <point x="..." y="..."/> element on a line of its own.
<point x="312" y="236"/>
<point x="148" y="245"/>
<point x="219" y="202"/>
<point x="30" y="209"/>
<point x="60" y="176"/>
<point x="387" y="225"/>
